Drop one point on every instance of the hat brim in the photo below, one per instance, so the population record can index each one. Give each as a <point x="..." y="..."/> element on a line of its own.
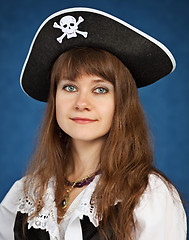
<point x="147" y="59"/>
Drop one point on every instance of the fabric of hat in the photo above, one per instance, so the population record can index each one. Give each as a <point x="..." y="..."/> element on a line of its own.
<point x="147" y="59"/>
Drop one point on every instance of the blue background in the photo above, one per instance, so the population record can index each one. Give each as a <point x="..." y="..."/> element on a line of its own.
<point x="165" y="102"/>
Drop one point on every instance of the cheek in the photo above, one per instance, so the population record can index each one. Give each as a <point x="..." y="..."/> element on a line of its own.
<point x="110" y="117"/>
<point x="60" y="111"/>
<point x="108" y="112"/>
<point x="58" y="115"/>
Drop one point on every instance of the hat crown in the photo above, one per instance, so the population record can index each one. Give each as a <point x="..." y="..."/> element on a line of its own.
<point x="147" y="59"/>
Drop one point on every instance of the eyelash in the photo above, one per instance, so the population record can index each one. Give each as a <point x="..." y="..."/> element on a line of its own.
<point x="67" y="86"/>
<point x="106" y="90"/>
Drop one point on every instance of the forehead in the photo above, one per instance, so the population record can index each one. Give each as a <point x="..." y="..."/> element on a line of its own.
<point x="77" y="62"/>
<point x="76" y="72"/>
<point x="92" y="79"/>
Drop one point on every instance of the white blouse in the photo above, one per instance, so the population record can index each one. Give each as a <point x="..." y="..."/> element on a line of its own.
<point x="158" y="216"/>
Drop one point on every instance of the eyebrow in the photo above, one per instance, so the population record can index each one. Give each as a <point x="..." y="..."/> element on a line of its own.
<point x="67" y="79"/>
<point x="99" y="80"/>
<point x="93" y="80"/>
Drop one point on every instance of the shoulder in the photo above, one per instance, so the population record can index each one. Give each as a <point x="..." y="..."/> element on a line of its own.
<point x="159" y="209"/>
<point x="159" y="193"/>
<point x="158" y="186"/>
<point x="10" y="201"/>
<point x="18" y="200"/>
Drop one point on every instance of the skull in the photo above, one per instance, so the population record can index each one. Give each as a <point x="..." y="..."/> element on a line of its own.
<point x="69" y="27"/>
<point x="68" y="24"/>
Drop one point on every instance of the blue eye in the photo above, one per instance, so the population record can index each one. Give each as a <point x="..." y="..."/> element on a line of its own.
<point x="69" y="88"/>
<point x="101" y="90"/>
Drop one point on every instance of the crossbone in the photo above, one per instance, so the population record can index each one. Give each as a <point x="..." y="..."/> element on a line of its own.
<point x="69" y="27"/>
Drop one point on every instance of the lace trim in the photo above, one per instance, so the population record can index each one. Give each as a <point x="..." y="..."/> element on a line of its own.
<point x="86" y="206"/>
<point x="47" y="218"/>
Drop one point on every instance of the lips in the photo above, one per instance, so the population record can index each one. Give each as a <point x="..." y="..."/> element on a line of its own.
<point x="83" y="120"/>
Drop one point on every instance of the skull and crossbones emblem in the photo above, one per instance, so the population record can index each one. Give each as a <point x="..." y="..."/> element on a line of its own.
<point x="69" y="27"/>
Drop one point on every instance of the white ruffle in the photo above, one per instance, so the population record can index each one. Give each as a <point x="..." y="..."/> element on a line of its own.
<point x="47" y="217"/>
<point x="86" y="206"/>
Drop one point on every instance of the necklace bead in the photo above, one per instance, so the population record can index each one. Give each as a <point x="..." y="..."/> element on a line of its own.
<point x="77" y="184"/>
<point x="82" y="182"/>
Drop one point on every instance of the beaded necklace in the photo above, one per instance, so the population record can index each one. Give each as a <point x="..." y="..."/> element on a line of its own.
<point x="77" y="184"/>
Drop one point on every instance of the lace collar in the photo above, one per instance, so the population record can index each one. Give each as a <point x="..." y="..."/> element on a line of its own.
<point x="47" y="217"/>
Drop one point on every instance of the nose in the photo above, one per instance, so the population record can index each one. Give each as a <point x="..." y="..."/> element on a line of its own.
<point x="83" y="102"/>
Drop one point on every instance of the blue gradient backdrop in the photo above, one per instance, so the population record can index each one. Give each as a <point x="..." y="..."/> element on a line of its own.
<point x="165" y="102"/>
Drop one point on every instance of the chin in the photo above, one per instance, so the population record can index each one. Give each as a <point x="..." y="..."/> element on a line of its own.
<point x="86" y="134"/>
<point x="87" y="137"/>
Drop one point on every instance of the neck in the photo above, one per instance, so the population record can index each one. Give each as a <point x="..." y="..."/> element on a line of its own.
<point x="86" y="156"/>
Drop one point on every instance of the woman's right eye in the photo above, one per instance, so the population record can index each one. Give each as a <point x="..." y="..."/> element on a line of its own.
<point x="69" y="88"/>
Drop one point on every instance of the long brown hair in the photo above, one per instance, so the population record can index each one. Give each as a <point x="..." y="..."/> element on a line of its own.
<point x="126" y="158"/>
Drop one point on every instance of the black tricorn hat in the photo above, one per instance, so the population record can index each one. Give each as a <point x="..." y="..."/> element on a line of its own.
<point x="147" y="59"/>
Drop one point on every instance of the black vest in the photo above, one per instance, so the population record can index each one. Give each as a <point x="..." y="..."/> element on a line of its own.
<point x="90" y="232"/>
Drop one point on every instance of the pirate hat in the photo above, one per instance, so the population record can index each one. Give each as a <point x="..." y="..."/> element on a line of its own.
<point x="147" y="59"/>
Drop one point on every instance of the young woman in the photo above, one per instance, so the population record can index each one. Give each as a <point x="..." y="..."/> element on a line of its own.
<point x="92" y="174"/>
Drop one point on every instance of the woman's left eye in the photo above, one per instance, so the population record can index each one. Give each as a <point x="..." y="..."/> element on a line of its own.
<point x="101" y="90"/>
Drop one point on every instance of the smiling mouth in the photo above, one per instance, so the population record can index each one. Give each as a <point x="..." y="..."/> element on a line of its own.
<point x="83" y="120"/>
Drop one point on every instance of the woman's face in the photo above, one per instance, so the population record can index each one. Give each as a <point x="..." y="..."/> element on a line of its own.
<point x="85" y="107"/>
